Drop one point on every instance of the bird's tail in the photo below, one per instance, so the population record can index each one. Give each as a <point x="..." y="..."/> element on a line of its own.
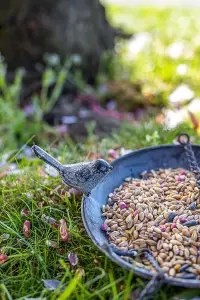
<point x="47" y="158"/>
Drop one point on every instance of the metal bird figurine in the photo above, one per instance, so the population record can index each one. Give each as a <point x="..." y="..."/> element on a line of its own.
<point x="82" y="176"/>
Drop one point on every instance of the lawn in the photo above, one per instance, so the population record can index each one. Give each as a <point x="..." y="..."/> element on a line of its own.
<point x="40" y="253"/>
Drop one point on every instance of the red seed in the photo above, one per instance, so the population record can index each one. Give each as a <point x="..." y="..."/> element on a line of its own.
<point x="122" y="205"/>
<point x="173" y="226"/>
<point x="163" y="228"/>
<point x="104" y="227"/>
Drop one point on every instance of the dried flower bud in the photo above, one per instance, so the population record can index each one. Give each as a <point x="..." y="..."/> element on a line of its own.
<point x="26" y="229"/>
<point x="64" y="234"/>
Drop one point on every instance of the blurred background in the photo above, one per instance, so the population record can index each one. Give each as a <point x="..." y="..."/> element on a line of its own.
<point x="69" y="68"/>
<point x="84" y="79"/>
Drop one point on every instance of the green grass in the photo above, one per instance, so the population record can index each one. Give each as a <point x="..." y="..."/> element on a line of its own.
<point x="30" y="260"/>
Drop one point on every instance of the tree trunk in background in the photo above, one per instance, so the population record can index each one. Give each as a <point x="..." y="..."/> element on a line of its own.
<point x="30" y="28"/>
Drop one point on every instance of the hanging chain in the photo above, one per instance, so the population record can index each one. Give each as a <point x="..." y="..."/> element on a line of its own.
<point x="190" y="156"/>
<point x="158" y="279"/>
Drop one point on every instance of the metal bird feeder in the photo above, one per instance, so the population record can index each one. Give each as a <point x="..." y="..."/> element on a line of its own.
<point x="131" y="165"/>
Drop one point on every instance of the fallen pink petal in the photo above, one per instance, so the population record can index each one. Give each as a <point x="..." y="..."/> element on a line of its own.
<point x="73" y="259"/>
<point x="3" y="258"/>
<point x="64" y="234"/>
<point x="113" y="153"/>
<point x="26" y="229"/>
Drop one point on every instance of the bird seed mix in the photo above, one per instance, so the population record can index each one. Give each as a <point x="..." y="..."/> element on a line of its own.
<point x="160" y="212"/>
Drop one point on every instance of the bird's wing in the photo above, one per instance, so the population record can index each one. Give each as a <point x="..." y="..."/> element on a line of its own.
<point x="83" y="174"/>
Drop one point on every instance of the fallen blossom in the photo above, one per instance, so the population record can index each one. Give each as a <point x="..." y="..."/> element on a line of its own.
<point x="124" y="151"/>
<point x="113" y="153"/>
<point x="3" y="258"/>
<point x="4" y="237"/>
<point x="194" y="105"/>
<point x="175" y="117"/>
<point x="48" y="219"/>
<point x="52" y="244"/>
<point x="181" y="94"/>
<point x="26" y="229"/>
<point x="25" y="212"/>
<point x="52" y="284"/>
<point x="29" y="110"/>
<point x="175" y="50"/>
<point x="42" y="173"/>
<point x="73" y="259"/>
<point x="28" y="195"/>
<point x="62" y="129"/>
<point x="138" y="43"/>
<point x="182" y="69"/>
<point x="64" y="234"/>
<point x="41" y="204"/>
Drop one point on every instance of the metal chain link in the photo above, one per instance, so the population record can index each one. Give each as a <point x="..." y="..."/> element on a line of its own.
<point x="194" y="167"/>
<point x="158" y="279"/>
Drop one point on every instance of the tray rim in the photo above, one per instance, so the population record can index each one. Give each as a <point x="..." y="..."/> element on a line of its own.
<point x="188" y="283"/>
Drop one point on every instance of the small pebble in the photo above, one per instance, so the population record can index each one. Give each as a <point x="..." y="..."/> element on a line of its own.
<point x="136" y="212"/>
